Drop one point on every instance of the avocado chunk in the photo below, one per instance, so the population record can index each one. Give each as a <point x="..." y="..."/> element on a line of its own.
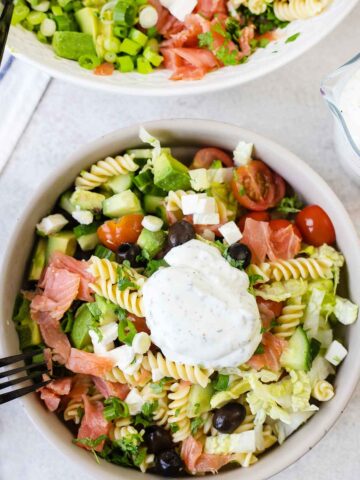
<point x="123" y="203"/>
<point x="65" y="203"/>
<point x="64" y="242"/>
<point x="152" y="202"/>
<point x="169" y="173"/>
<point x="109" y="311"/>
<point x="86" y="236"/>
<point x="119" y="183"/>
<point x="151" y="242"/>
<point x="83" y="321"/>
<point x="199" y="400"/>
<point x="39" y="259"/>
<point x="84" y="200"/>
<point x="27" y="329"/>
<point x="73" y="45"/>
<point x="88" y="21"/>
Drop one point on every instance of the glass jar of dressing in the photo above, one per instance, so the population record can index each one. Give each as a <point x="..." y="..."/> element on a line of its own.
<point x="341" y="90"/>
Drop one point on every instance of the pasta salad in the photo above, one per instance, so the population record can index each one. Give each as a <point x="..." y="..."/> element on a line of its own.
<point x="187" y="311"/>
<point x="188" y="37"/>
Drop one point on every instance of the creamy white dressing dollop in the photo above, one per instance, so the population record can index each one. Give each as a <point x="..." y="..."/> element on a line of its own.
<point x="350" y="106"/>
<point x="199" y="309"/>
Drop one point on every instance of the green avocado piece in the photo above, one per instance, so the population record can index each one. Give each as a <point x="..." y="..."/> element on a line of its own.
<point x="88" y="21"/>
<point x="199" y="400"/>
<point x="152" y="202"/>
<point x="119" y="183"/>
<point x="64" y="242"/>
<point x="123" y="203"/>
<point x="27" y="329"/>
<point x="108" y="310"/>
<point x="85" y="200"/>
<point x="39" y="259"/>
<point x="65" y="203"/>
<point x="79" y="335"/>
<point x="151" y="242"/>
<point x="169" y="173"/>
<point x="86" y="236"/>
<point x="73" y="45"/>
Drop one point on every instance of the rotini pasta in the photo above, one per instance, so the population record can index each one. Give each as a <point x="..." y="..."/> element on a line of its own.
<point x="290" y="318"/>
<point x="322" y="391"/>
<point x="75" y="407"/>
<point x="161" y="412"/>
<point x="139" y="379"/>
<point x="173" y="200"/>
<point x="289" y="10"/>
<point x="301" y="267"/>
<point x="103" y="170"/>
<point x="178" y="371"/>
<point x="178" y="420"/>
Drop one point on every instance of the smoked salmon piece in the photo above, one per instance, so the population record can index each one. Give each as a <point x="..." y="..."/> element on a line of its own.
<point x="88" y="363"/>
<point x="93" y="423"/>
<point x="273" y="348"/>
<point x="198" y="462"/>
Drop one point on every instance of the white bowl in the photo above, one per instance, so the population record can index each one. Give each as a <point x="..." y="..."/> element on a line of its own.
<point x="193" y="133"/>
<point x="25" y="45"/>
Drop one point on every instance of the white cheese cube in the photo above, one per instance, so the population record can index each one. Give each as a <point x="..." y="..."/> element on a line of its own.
<point x="189" y="203"/>
<point x="220" y="175"/>
<point x="105" y="341"/>
<point x="99" y="347"/>
<point x="243" y="153"/>
<point x="141" y="342"/>
<point x="179" y="8"/>
<point x="134" y="401"/>
<point x="345" y="311"/>
<point x="206" y="218"/>
<point x="152" y="223"/>
<point x="336" y="353"/>
<point x="231" y="232"/>
<point x="51" y="224"/>
<point x="206" y="205"/>
<point x="122" y="356"/>
<point x="199" y="179"/>
<point x="85" y="217"/>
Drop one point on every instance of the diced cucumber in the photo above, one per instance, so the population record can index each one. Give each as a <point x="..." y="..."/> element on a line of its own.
<point x="38" y="260"/>
<point x="161" y="212"/>
<point x="123" y="203"/>
<point x="64" y="242"/>
<point x="85" y="200"/>
<point x="199" y="400"/>
<point x="152" y="202"/>
<point x="103" y="252"/>
<point x="144" y="181"/>
<point x="296" y="355"/>
<point x="119" y="183"/>
<point x="65" y="203"/>
<point x="151" y="242"/>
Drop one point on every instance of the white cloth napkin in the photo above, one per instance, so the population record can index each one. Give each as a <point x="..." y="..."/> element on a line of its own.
<point x="21" y="88"/>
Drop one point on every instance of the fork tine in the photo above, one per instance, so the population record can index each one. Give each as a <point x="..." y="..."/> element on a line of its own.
<point x="18" y="358"/>
<point x="7" y="397"/>
<point x="24" y="367"/>
<point x="11" y="383"/>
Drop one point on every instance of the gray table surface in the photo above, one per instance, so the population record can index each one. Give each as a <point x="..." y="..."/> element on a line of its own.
<point x="285" y="106"/>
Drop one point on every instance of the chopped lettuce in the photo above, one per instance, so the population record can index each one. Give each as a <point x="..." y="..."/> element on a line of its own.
<point x="146" y="137"/>
<point x="236" y="389"/>
<point x="327" y="252"/>
<point x="284" y="430"/>
<point x="281" y="291"/>
<point x="320" y="370"/>
<point x="244" y="442"/>
<point x="313" y="311"/>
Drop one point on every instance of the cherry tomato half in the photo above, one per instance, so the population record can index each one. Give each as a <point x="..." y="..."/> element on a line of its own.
<point x="256" y="187"/>
<point x="280" y="223"/>
<point x="206" y="156"/>
<point x="315" y="226"/>
<point x="124" y="230"/>
<point x="259" y="216"/>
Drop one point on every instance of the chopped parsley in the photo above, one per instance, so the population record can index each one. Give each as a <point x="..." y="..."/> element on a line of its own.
<point x="221" y="382"/>
<point x="145" y="418"/>
<point x="90" y="442"/>
<point x="115" y="408"/>
<point x="174" y="427"/>
<point x="158" y="387"/>
<point x="154" y="265"/>
<point x="265" y="22"/>
<point x="260" y="349"/>
<point x="292" y="38"/>
<point x="290" y="205"/>
<point x="253" y="280"/>
<point x="124" y="280"/>
<point x="196" y="423"/>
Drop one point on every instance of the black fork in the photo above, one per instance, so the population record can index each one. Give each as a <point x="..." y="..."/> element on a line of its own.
<point x="6" y="11"/>
<point x="31" y="371"/>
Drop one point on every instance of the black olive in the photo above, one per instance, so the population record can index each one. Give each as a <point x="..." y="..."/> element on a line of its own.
<point x="169" y="464"/>
<point x="81" y="255"/>
<point x="129" y="252"/>
<point x="227" y="418"/>
<point x="240" y="252"/>
<point x="157" y="439"/>
<point x="180" y="232"/>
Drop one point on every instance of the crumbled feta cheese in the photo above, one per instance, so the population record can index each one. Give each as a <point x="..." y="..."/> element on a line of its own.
<point x="141" y="342"/>
<point x="206" y="205"/>
<point x="122" y="356"/>
<point x="134" y="401"/>
<point x="51" y="224"/>
<point x="85" y="217"/>
<point x="336" y="353"/>
<point x="206" y="218"/>
<point x="135" y="365"/>
<point x="152" y="223"/>
<point x="231" y="232"/>
<point x="103" y="341"/>
<point x="199" y="179"/>
<point x="189" y="203"/>
<point x="243" y="153"/>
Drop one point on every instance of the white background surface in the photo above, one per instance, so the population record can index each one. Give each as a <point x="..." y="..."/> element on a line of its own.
<point x="285" y="106"/>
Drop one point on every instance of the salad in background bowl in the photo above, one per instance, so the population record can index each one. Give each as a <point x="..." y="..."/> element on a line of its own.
<point x="156" y="48"/>
<point x="140" y="242"/>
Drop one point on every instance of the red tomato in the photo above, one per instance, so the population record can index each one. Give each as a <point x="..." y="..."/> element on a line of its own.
<point x="280" y="188"/>
<point x="282" y="223"/>
<point x="115" y="232"/>
<point x="274" y="307"/>
<point x="105" y="69"/>
<point x="253" y="186"/>
<point x="315" y="226"/>
<point x="205" y="157"/>
<point x="259" y="216"/>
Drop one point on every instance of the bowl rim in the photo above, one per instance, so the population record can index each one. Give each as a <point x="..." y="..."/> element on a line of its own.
<point x="32" y="406"/>
<point x="190" y="87"/>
